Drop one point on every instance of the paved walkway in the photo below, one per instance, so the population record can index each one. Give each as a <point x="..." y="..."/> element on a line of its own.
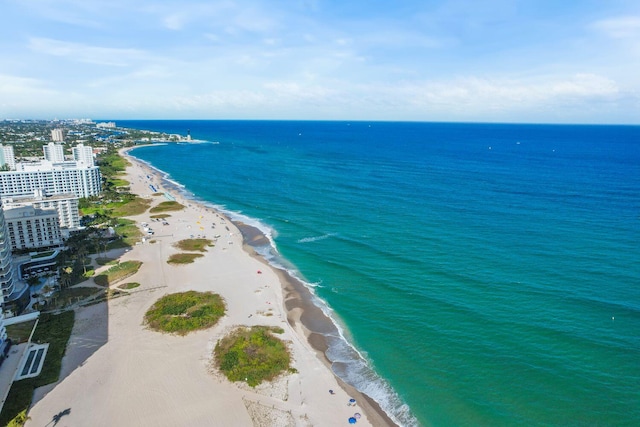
<point x="8" y="369"/>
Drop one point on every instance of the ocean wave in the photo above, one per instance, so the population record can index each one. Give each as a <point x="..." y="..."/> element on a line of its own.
<point x="315" y="238"/>
<point x="348" y="362"/>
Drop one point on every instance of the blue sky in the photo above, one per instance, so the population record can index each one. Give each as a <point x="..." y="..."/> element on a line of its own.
<point x="539" y="61"/>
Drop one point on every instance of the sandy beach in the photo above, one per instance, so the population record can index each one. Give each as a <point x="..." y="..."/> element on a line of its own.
<point x="118" y="372"/>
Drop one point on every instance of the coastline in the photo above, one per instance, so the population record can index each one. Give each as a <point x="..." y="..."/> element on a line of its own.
<point x="132" y="376"/>
<point x="312" y="321"/>
<point x="309" y="321"/>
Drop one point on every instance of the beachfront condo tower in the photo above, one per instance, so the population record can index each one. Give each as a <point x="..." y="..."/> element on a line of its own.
<point x="53" y="152"/>
<point x="83" y="155"/>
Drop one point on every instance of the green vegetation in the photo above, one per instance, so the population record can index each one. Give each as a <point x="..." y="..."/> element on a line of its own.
<point x="130" y="285"/>
<point x="128" y="231"/>
<point x="112" y="164"/>
<point x="135" y="206"/>
<point x="156" y="194"/>
<point x="106" y="261"/>
<point x="70" y="296"/>
<point x="184" y="312"/>
<point x="166" y="207"/>
<point x="117" y="272"/>
<point x="194" y="244"/>
<point x="253" y="355"/>
<point x="19" y="420"/>
<point x="183" y="258"/>
<point x="119" y="182"/>
<point x="42" y="254"/>
<point x="19" y="332"/>
<point x="52" y="329"/>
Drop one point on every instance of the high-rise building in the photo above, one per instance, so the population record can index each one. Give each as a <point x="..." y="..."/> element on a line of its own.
<point x="6" y="267"/>
<point x="106" y="125"/>
<point x="57" y="135"/>
<point x="7" y="157"/>
<point x="53" y="152"/>
<point x="65" y="204"/>
<point x="83" y="154"/>
<point x="32" y="228"/>
<point x="51" y="178"/>
<point x="14" y="293"/>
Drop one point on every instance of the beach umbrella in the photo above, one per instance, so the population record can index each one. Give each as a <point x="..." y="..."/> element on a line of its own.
<point x="357" y="415"/>
<point x="352" y="420"/>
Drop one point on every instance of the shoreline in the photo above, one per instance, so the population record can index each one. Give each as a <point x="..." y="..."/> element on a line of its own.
<point x="302" y="314"/>
<point x="314" y="322"/>
<point x="117" y="372"/>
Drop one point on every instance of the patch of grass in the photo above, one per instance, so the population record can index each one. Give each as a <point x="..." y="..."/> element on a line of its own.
<point x="118" y="182"/>
<point x="184" y="312"/>
<point x="183" y="258"/>
<point x="19" y="332"/>
<point x="69" y="296"/>
<point x="252" y="355"/>
<point x="128" y="231"/>
<point x="117" y="272"/>
<point x="194" y="244"/>
<point x="157" y="194"/>
<point x="166" y="207"/>
<point x="130" y="285"/>
<point x="161" y="216"/>
<point x="52" y="329"/>
<point x="105" y="261"/>
<point x="118" y="244"/>
<point x="136" y="206"/>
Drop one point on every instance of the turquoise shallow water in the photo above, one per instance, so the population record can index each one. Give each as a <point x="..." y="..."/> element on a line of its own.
<point x="487" y="274"/>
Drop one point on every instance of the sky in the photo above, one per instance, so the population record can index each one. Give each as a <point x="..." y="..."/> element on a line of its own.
<point x="529" y="61"/>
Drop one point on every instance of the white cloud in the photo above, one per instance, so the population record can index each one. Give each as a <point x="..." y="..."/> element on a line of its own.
<point x="477" y="94"/>
<point x="175" y="21"/>
<point x="85" y="53"/>
<point x="625" y="27"/>
<point x="21" y="86"/>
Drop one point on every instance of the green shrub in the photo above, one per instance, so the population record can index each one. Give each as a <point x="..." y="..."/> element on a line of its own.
<point x="183" y="258"/>
<point x="253" y="355"/>
<point x="194" y="244"/>
<point x="166" y="207"/>
<point x="184" y="312"/>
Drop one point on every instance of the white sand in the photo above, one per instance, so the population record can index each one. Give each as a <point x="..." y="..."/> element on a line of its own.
<point x="118" y="373"/>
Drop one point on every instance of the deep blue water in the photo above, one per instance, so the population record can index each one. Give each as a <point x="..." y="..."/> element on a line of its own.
<point x="489" y="274"/>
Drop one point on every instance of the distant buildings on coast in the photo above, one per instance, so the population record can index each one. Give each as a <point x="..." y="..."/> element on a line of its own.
<point x="39" y="201"/>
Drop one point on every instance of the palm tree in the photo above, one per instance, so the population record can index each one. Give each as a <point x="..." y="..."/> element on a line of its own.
<point x="81" y="254"/>
<point x="65" y="279"/>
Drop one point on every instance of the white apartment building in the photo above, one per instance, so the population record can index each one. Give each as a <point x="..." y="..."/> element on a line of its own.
<point x="83" y="155"/>
<point x="65" y="204"/>
<point x="51" y="178"/>
<point x="7" y="286"/>
<point x="57" y="135"/>
<point x="106" y="125"/>
<point x="53" y="152"/>
<point x="7" y="157"/>
<point x="29" y="227"/>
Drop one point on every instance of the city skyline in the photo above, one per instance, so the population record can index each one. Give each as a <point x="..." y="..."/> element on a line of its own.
<point x="489" y="61"/>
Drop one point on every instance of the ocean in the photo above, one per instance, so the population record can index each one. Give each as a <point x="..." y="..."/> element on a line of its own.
<point x="481" y="274"/>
